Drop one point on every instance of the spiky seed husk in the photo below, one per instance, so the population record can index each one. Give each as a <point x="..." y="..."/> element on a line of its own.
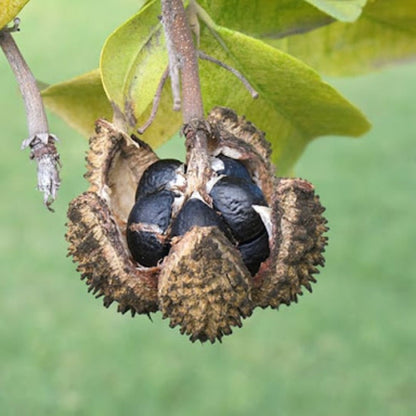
<point x="96" y="218"/>
<point x="297" y="246"/>
<point x="204" y="286"/>
<point x="95" y="244"/>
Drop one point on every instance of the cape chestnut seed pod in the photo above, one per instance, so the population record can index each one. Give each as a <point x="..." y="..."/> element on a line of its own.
<point x="206" y="282"/>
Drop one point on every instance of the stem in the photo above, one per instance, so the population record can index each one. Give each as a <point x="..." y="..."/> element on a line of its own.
<point x="40" y="141"/>
<point x="181" y="48"/>
<point x="37" y="122"/>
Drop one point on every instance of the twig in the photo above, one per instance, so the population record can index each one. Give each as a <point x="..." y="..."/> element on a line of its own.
<point x="182" y="52"/>
<point x="156" y="101"/>
<point x="234" y="71"/>
<point x="40" y="141"/>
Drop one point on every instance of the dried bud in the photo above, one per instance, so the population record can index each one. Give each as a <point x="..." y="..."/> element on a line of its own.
<point x="234" y="236"/>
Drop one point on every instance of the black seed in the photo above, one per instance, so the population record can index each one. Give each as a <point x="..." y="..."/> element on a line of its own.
<point x="146" y="248"/>
<point x="152" y="214"/>
<point x="255" y="252"/>
<point x="196" y="213"/>
<point x="158" y="176"/>
<point x="233" y="167"/>
<point x="153" y="209"/>
<point x="234" y="198"/>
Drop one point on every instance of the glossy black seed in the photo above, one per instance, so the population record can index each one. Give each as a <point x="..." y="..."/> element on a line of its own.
<point x="196" y="213"/>
<point x="255" y="252"/>
<point x="158" y="176"/>
<point x="231" y="167"/>
<point x="152" y="215"/>
<point x="234" y="198"/>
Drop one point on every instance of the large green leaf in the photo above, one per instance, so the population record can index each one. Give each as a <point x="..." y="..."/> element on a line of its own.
<point x="79" y="101"/>
<point x="384" y="33"/>
<point x="259" y="18"/>
<point x="294" y="106"/>
<point x="344" y="10"/>
<point x="9" y="10"/>
<point x="132" y="62"/>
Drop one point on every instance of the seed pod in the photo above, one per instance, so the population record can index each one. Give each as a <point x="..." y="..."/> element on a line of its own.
<point x="206" y="283"/>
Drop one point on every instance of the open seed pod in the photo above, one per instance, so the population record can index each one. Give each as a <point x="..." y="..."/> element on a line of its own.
<point x="205" y="250"/>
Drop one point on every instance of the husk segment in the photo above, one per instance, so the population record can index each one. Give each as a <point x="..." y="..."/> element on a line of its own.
<point x="96" y="218"/>
<point x="296" y="250"/>
<point x="204" y="286"/>
<point x="95" y="244"/>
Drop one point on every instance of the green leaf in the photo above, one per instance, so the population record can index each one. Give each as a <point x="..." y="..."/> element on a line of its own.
<point x="294" y="106"/>
<point x="132" y="62"/>
<point x="260" y="18"/>
<point x="79" y="101"/>
<point x="344" y="10"/>
<point x="382" y="35"/>
<point x="9" y="10"/>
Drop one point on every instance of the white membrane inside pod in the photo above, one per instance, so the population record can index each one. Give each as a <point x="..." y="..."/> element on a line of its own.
<point x="266" y="216"/>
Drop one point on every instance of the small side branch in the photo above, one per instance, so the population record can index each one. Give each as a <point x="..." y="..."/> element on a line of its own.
<point x="156" y="101"/>
<point x="41" y="142"/>
<point x="238" y="74"/>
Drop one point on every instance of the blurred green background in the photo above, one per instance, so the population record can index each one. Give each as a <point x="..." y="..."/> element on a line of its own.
<point x="347" y="349"/>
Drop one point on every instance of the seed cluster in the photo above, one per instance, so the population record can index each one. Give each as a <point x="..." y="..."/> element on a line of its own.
<point x="161" y="211"/>
<point x="206" y="244"/>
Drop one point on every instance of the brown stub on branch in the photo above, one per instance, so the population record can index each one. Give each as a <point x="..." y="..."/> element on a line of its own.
<point x="204" y="287"/>
<point x="48" y="164"/>
<point x="40" y="141"/>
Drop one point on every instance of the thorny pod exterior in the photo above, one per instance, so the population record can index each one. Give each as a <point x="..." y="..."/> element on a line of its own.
<point x="202" y="285"/>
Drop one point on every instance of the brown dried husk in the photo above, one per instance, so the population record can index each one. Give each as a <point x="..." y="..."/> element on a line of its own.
<point x="115" y="163"/>
<point x="202" y="285"/>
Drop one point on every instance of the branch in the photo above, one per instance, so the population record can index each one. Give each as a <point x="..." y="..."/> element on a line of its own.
<point x="182" y="50"/>
<point x="41" y="142"/>
<point x="183" y="55"/>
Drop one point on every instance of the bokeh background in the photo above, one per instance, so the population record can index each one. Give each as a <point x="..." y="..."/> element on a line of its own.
<point x="347" y="349"/>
